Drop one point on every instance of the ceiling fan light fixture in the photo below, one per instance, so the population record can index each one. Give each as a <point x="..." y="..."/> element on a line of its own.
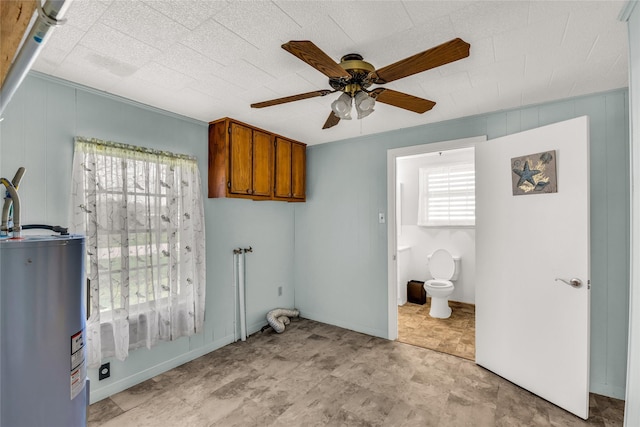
<point x="364" y="104"/>
<point x="342" y="106"/>
<point x="353" y="77"/>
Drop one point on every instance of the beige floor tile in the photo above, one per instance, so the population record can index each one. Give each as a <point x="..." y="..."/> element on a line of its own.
<point x="416" y="327"/>
<point x="462" y="411"/>
<point x="138" y="394"/>
<point x="162" y="410"/>
<point x="249" y="414"/>
<point x="320" y="375"/>
<point x="102" y="412"/>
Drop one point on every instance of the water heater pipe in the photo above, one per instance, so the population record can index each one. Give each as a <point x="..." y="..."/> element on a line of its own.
<point x="16" y="206"/>
<point x="49" y="16"/>
<point x="12" y="199"/>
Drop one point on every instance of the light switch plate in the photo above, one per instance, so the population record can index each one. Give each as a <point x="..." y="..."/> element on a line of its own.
<point x="381" y="218"/>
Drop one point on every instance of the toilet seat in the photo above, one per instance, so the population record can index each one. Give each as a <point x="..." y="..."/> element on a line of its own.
<point x="442" y="265"/>
<point x="439" y="283"/>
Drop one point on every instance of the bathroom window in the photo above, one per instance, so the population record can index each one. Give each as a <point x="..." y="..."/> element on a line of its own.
<point x="447" y="195"/>
<point x="142" y="213"/>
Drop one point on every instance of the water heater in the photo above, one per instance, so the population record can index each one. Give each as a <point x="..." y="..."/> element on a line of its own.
<point x="42" y="332"/>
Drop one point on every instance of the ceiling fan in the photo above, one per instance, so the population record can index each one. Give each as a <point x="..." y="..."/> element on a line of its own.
<point x="353" y="77"/>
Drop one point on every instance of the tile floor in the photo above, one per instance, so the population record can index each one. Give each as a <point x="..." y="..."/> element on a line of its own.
<point x="320" y="375"/>
<point x="455" y="335"/>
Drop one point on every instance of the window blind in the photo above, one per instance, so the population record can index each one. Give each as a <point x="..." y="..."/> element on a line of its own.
<point x="447" y="195"/>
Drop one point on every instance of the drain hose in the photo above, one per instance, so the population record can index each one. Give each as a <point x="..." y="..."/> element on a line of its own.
<point x="279" y="317"/>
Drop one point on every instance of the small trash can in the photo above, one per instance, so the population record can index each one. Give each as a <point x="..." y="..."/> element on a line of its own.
<point x="415" y="292"/>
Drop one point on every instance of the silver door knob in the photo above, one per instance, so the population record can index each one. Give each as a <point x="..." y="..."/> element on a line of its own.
<point x="575" y="282"/>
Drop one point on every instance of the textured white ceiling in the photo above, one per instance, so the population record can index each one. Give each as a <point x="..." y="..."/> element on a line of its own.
<point x="210" y="59"/>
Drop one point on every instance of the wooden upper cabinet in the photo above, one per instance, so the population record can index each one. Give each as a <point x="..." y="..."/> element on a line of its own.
<point x="262" y="161"/>
<point x="298" y="171"/>
<point x="282" y="187"/>
<point x="248" y="162"/>
<point x="240" y="160"/>
<point x="290" y="167"/>
<point x="219" y="159"/>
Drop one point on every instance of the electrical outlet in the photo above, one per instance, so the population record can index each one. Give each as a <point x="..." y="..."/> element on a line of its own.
<point x="104" y="372"/>
<point x="279" y="291"/>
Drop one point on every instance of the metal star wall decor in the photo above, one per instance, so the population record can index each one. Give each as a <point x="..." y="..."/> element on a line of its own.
<point x="534" y="173"/>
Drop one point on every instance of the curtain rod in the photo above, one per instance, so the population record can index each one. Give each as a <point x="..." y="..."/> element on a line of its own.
<point x="119" y="145"/>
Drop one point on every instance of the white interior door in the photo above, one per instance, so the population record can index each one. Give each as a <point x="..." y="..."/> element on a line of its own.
<point x="532" y="329"/>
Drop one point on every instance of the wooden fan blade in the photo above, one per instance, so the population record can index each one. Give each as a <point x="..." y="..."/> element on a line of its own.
<point x="312" y="55"/>
<point x="402" y="100"/>
<point x="445" y="53"/>
<point x="292" y="98"/>
<point x="332" y="120"/>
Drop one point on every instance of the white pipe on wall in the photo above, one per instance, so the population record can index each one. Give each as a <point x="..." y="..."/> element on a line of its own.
<point x="235" y="294"/>
<point x="239" y="281"/>
<point x="241" y="289"/>
<point x="239" y="294"/>
<point x="49" y="16"/>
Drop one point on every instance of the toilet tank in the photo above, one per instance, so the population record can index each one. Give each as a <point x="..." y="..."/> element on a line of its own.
<point x="456" y="263"/>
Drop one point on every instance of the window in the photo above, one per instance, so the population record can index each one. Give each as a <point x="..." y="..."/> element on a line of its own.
<point x="142" y="213"/>
<point x="447" y="195"/>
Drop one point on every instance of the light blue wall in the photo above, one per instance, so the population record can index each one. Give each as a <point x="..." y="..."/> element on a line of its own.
<point x="37" y="132"/>
<point x="342" y="277"/>
<point x="331" y="247"/>
<point x="632" y="406"/>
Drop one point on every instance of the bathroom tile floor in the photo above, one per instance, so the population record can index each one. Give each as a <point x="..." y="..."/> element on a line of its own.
<point x="455" y="335"/>
<point x="315" y="374"/>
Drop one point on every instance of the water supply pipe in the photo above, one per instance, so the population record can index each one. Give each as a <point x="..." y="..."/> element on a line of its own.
<point x="236" y="284"/>
<point x="49" y="16"/>
<point x="12" y="199"/>
<point x="241" y="296"/>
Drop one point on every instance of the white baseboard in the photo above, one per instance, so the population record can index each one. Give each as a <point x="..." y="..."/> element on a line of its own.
<point x="256" y="327"/>
<point x="616" y="392"/>
<point x="345" y="325"/>
<point x="151" y="372"/>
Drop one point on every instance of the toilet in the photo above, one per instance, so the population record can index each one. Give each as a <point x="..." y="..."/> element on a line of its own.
<point x="444" y="268"/>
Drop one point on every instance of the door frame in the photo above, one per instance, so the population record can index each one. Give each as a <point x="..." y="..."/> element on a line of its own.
<point x="392" y="236"/>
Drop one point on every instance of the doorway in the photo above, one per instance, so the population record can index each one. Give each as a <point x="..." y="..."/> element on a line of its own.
<point x="394" y="230"/>
<point x="435" y="209"/>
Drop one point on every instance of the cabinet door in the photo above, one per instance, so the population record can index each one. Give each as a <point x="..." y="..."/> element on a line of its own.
<point x="262" y="163"/>
<point x="298" y="170"/>
<point x="282" y="186"/>
<point x="218" y="174"/>
<point x="240" y="154"/>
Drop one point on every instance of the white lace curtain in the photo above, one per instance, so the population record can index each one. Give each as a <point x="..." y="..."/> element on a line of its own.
<point x="142" y="213"/>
